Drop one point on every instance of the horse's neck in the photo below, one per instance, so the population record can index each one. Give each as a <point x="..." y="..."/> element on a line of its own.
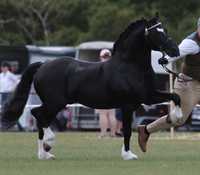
<point x="139" y="55"/>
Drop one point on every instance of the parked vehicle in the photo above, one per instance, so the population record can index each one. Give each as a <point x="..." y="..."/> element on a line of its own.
<point x="22" y="56"/>
<point x="89" y="51"/>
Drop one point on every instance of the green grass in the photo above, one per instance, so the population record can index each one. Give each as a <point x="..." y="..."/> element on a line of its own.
<point x="85" y="154"/>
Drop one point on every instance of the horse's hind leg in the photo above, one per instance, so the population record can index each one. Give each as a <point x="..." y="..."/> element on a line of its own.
<point x="43" y="145"/>
<point x="127" y="130"/>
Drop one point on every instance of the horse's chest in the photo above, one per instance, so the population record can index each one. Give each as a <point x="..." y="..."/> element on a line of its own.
<point x="133" y="85"/>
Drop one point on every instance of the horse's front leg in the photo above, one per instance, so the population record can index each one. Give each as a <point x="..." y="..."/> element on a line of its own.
<point x="127" y="130"/>
<point x="160" y="97"/>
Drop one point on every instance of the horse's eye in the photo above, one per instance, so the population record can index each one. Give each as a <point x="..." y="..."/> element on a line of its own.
<point x="160" y="30"/>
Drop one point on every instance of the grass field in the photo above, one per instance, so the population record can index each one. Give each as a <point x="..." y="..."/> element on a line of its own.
<point x="84" y="154"/>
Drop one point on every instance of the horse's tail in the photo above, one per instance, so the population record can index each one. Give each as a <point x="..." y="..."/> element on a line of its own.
<point x="15" y="106"/>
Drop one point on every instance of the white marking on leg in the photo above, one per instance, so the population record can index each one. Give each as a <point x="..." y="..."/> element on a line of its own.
<point x="40" y="149"/>
<point x="178" y="112"/>
<point x="42" y="154"/>
<point x="176" y="115"/>
<point x="128" y="155"/>
<point x="49" y="136"/>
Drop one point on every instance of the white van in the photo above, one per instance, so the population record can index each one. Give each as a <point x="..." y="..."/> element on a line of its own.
<point x="89" y="51"/>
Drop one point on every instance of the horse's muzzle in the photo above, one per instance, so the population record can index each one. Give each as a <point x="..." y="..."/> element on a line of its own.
<point x="171" y="48"/>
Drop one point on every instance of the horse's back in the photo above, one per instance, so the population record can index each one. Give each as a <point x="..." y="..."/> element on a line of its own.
<point x="65" y="77"/>
<point x="61" y="66"/>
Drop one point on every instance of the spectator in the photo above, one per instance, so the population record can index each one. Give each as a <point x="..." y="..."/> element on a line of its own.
<point x="119" y="125"/>
<point x="106" y="116"/>
<point x="8" y="82"/>
<point x="63" y="120"/>
<point x="14" y="67"/>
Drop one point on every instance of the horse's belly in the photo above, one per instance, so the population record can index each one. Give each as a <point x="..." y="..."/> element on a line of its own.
<point x="100" y="100"/>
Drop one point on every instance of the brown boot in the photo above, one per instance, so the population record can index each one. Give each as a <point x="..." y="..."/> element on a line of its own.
<point x="143" y="137"/>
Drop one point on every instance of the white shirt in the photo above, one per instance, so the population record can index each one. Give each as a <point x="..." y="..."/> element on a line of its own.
<point x="8" y="81"/>
<point x="186" y="47"/>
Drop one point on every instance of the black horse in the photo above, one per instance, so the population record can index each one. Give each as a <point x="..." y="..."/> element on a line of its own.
<point x="125" y="81"/>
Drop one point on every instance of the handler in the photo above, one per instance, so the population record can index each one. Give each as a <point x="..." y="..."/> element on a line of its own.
<point x="187" y="86"/>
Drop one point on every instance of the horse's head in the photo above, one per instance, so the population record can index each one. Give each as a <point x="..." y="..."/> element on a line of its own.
<point x="158" y="39"/>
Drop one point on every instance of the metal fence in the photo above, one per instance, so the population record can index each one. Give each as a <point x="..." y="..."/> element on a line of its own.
<point x="79" y="117"/>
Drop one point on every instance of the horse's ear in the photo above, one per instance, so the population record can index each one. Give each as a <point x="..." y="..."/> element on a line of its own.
<point x="144" y="19"/>
<point x="157" y="15"/>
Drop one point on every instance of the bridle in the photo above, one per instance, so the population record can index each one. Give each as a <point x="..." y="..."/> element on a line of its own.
<point x="152" y="27"/>
<point x="175" y="74"/>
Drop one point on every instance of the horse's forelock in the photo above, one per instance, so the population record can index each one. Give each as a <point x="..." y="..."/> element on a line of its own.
<point x="152" y="21"/>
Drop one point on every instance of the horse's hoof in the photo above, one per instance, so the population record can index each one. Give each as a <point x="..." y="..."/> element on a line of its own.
<point x="178" y="112"/>
<point x="45" y="156"/>
<point x="176" y="115"/>
<point x="128" y="155"/>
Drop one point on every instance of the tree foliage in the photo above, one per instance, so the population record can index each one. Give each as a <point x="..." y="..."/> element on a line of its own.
<point x="70" y="22"/>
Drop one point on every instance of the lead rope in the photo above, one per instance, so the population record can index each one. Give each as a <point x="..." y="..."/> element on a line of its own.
<point x="175" y="74"/>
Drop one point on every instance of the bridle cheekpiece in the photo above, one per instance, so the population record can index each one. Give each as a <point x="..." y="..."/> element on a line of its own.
<point x="152" y="27"/>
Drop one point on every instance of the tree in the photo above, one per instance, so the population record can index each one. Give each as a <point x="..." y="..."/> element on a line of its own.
<point x="69" y="22"/>
<point x="108" y="22"/>
<point x="36" y="21"/>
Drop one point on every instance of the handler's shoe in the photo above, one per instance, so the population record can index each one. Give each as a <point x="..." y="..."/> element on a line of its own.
<point x="128" y="155"/>
<point x="143" y="137"/>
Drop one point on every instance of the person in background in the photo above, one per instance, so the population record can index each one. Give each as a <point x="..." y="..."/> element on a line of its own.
<point x="119" y="125"/>
<point x="187" y="86"/>
<point x="14" y="68"/>
<point x="106" y="116"/>
<point x="8" y="82"/>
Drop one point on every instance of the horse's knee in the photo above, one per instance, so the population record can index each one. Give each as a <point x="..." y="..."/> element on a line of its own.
<point x="127" y="134"/>
<point x="39" y="114"/>
<point x="36" y="112"/>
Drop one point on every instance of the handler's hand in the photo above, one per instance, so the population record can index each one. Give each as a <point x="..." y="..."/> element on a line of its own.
<point x="163" y="61"/>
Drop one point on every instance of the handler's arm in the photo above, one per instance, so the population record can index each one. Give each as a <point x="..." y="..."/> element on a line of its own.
<point x="186" y="47"/>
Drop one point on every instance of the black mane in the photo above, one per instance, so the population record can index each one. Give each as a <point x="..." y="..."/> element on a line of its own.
<point x="132" y="26"/>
